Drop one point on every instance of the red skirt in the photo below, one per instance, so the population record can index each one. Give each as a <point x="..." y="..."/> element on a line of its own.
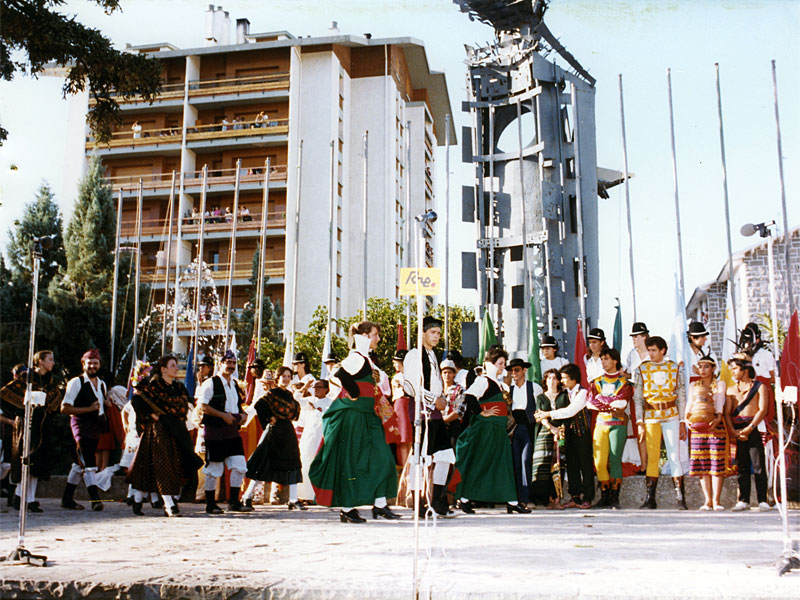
<point x="113" y="438"/>
<point x="401" y="409"/>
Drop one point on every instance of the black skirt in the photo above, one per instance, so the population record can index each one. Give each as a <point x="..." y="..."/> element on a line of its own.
<point x="277" y="457"/>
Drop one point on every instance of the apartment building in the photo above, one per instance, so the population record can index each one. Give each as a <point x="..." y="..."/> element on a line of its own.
<point x="304" y="103"/>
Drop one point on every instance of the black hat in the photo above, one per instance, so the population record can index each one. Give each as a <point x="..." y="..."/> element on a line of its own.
<point x="696" y="328"/>
<point x="257" y="364"/>
<point x="639" y="328"/>
<point x="299" y="357"/>
<point x="596" y="334"/>
<point x="518" y="362"/>
<point x="430" y="322"/>
<point x="330" y="357"/>
<point x="548" y="341"/>
<point x="206" y="361"/>
<point x="400" y="355"/>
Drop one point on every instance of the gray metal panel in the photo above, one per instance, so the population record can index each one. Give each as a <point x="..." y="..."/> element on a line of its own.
<point x="469" y="340"/>
<point x="466" y="144"/>
<point x="469" y="272"/>
<point x="517" y="296"/>
<point x="467" y="204"/>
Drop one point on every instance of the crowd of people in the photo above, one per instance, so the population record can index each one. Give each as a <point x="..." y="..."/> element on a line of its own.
<point x="488" y="435"/>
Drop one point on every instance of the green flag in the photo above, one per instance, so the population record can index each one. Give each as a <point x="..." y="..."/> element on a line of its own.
<point x="617" y="343"/>
<point x="487" y="336"/>
<point x="535" y="370"/>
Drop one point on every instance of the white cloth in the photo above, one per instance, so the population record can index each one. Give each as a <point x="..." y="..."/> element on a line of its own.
<point x="74" y="388"/>
<point x="411" y="369"/>
<point x="763" y="363"/>
<point x="577" y="402"/>
<point x="461" y="378"/>
<point x="131" y="436"/>
<point x="554" y="363"/>
<point x="311" y="412"/>
<point x="519" y="395"/>
<point x="231" y="397"/>
<point x="234" y="463"/>
<point x="594" y="368"/>
<point x="633" y="361"/>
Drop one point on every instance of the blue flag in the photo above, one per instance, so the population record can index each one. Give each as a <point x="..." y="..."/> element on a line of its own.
<point x="617" y="339"/>
<point x="189" y="381"/>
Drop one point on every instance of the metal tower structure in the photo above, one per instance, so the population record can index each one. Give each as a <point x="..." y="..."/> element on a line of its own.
<point x="534" y="199"/>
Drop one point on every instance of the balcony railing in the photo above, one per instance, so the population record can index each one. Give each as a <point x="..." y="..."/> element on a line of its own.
<point x="242" y="270"/>
<point x="197" y="132"/>
<point x="194" y="179"/>
<point x="151" y="227"/>
<point x="212" y="87"/>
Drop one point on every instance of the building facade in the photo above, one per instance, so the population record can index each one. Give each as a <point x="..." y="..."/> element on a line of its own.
<point x="304" y="104"/>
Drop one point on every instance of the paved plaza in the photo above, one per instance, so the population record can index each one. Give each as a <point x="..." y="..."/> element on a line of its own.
<point x="273" y="553"/>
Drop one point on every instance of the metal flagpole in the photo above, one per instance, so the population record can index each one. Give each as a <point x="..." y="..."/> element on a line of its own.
<point x="786" y="239"/>
<point x="364" y="218"/>
<point x="295" y="269"/>
<point x="447" y="235"/>
<point x="725" y="197"/>
<point x="138" y="273"/>
<point x="232" y="250"/>
<point x="407" y="213"/>
<point x="261" y="259"/>
<point x="628" y="194"/>
<point x="525" y="281"/>
<point x="331" y="248"/>
<point x="675" y="182"/>
<point x="115" y="285"/>
<point x="579" y="205"/>
<point x="171" y="215"/>
<point x="199" y="277"/>
<point x="491" y="279"/>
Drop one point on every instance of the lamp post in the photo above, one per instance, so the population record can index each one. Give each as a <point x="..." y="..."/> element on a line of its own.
<point x="788" y="560"/>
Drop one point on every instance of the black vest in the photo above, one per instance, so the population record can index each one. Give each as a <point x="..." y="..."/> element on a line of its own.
<point x="86" y="395"/>
<point x="218" y="401"/>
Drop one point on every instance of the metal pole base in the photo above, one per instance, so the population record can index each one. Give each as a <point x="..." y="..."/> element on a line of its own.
<point x="23" y="556"/>
<point x="786" y="564"/>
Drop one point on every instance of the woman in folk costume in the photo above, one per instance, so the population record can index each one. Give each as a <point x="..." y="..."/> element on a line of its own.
<point x="355" y="465"/>
<point x="313" y="407"/>
<point x="708" y="445"/>
<point x="609" y="395"/>
<point x="277" y="457"/>
<point x="401" y="403"/>
<point x="484" y="466"/>
<point x="165" y="457"/>
<point x="547" y="434"/>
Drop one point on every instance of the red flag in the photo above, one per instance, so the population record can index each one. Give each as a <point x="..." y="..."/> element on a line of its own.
<point x="580" y="354"/>
<point x="249" y="379"/>
<point x="401" y="338"/>
<point x="790" y="359"/>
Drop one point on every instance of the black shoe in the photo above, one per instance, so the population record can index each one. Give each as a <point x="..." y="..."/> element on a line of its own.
<point x="157" y="504"/>
<point x="651" y="483"/>
<point x="236" y="506"/>
<point x="15" y="502"/>
<point x="249" y="503"/>
<point x="517" y="508"/>
<point x="33" y="507"/>
<point x="70" y="504"/>
<point x="176" y="509"/>
<point x="129" y="500"/>
<point x="384" y="512"/>
<point x="295" y="506"/>
<point x="94" y="495"/>
<point x="213" y="509"/>
<point x="466" y="507"/>
<point x="172" y="511"/>
<point x="351" y="516"/>
<point x="137" y="508"/>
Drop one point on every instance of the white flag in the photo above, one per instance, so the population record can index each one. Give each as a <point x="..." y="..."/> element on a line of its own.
<point x="326" y="349"/>
<point x="728" y="329"/>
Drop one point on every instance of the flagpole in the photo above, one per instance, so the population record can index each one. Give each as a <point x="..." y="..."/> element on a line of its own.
<point x="331" y="247"/>
<point x="232" y="250"/>
<point x="290" y="341"/>
<point x="199" y="280"/>
<point x="364" y="217"/>
<point x="492" y="309"/>
<point x="407" y="213"/>
<point x="447" y="235"/>
<point x="171" y="216"/>
<point x="115" y="285"/>
<point x="262" y="261"/>
<point x="138" y="272"/>
<point x="525" y="282"/>
<point x="675" y="182"/>
<point x="579" y="205"/>
<point x="786" y="239"/>
<point x="628" y="194"/>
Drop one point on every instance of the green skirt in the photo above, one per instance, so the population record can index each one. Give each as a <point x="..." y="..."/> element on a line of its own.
<point x="483" y="462"/>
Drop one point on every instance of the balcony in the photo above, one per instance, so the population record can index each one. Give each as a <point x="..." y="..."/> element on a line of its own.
<point x="167" y="140"/>
<point x="202" y="89"/>
<point x="274" y="269"/>
<point x="217" y="180"/>
<point x="215" y="227"/>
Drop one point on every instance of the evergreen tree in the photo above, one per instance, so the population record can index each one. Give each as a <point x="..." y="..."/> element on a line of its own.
<point x="41" y="217"/>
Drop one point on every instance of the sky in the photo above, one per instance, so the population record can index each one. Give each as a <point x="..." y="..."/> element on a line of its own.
<point x="638" y="39"/>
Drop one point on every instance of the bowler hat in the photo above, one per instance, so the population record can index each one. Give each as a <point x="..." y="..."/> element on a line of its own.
<point x="596" y="334"/>
<point x="518" y="362"/>
<point x="639" y="328"/>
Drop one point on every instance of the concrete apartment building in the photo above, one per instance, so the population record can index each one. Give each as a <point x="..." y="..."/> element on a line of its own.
<point x="263" y="96"/>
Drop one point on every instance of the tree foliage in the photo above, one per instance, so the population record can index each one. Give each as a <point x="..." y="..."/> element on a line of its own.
<point x="43" y="35"/>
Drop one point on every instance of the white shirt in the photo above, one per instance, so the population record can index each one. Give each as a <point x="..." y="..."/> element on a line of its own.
<point x="554" y="363"/>
<point x="519" y="395"/>
<point x="74" y="388"/>
<point x="634" y="360"/>
<point x="231" y="397"/>
<point x="411" y="366"/>
<point x="763" y="363"/>
<point x="461" y="378"/>
<point x="577" y="402"/>
<point x="594" y="368"/>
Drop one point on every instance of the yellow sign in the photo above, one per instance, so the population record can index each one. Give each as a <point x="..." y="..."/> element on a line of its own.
<point x="429" y="282"/>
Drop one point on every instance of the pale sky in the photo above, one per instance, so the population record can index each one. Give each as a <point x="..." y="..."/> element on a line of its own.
<point x="639" y="39"/>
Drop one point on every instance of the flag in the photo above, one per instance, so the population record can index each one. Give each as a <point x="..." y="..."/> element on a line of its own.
<point x="488" y="337"/>
<point x="580" y="354"/>
<point x="233" y="348"/>
<point x="679" y="350"/>
<point x="326" y="349"/>
<point x="288" y="354"/>
<point x="728" y="341"/>
<point x="617" y="343"/>
<point x="189" y="380"/>
<point x="401" y="338"/>
<point x="790" y="358"/>
<point x="535" y="370"/>
<point x="249" y="378"/>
